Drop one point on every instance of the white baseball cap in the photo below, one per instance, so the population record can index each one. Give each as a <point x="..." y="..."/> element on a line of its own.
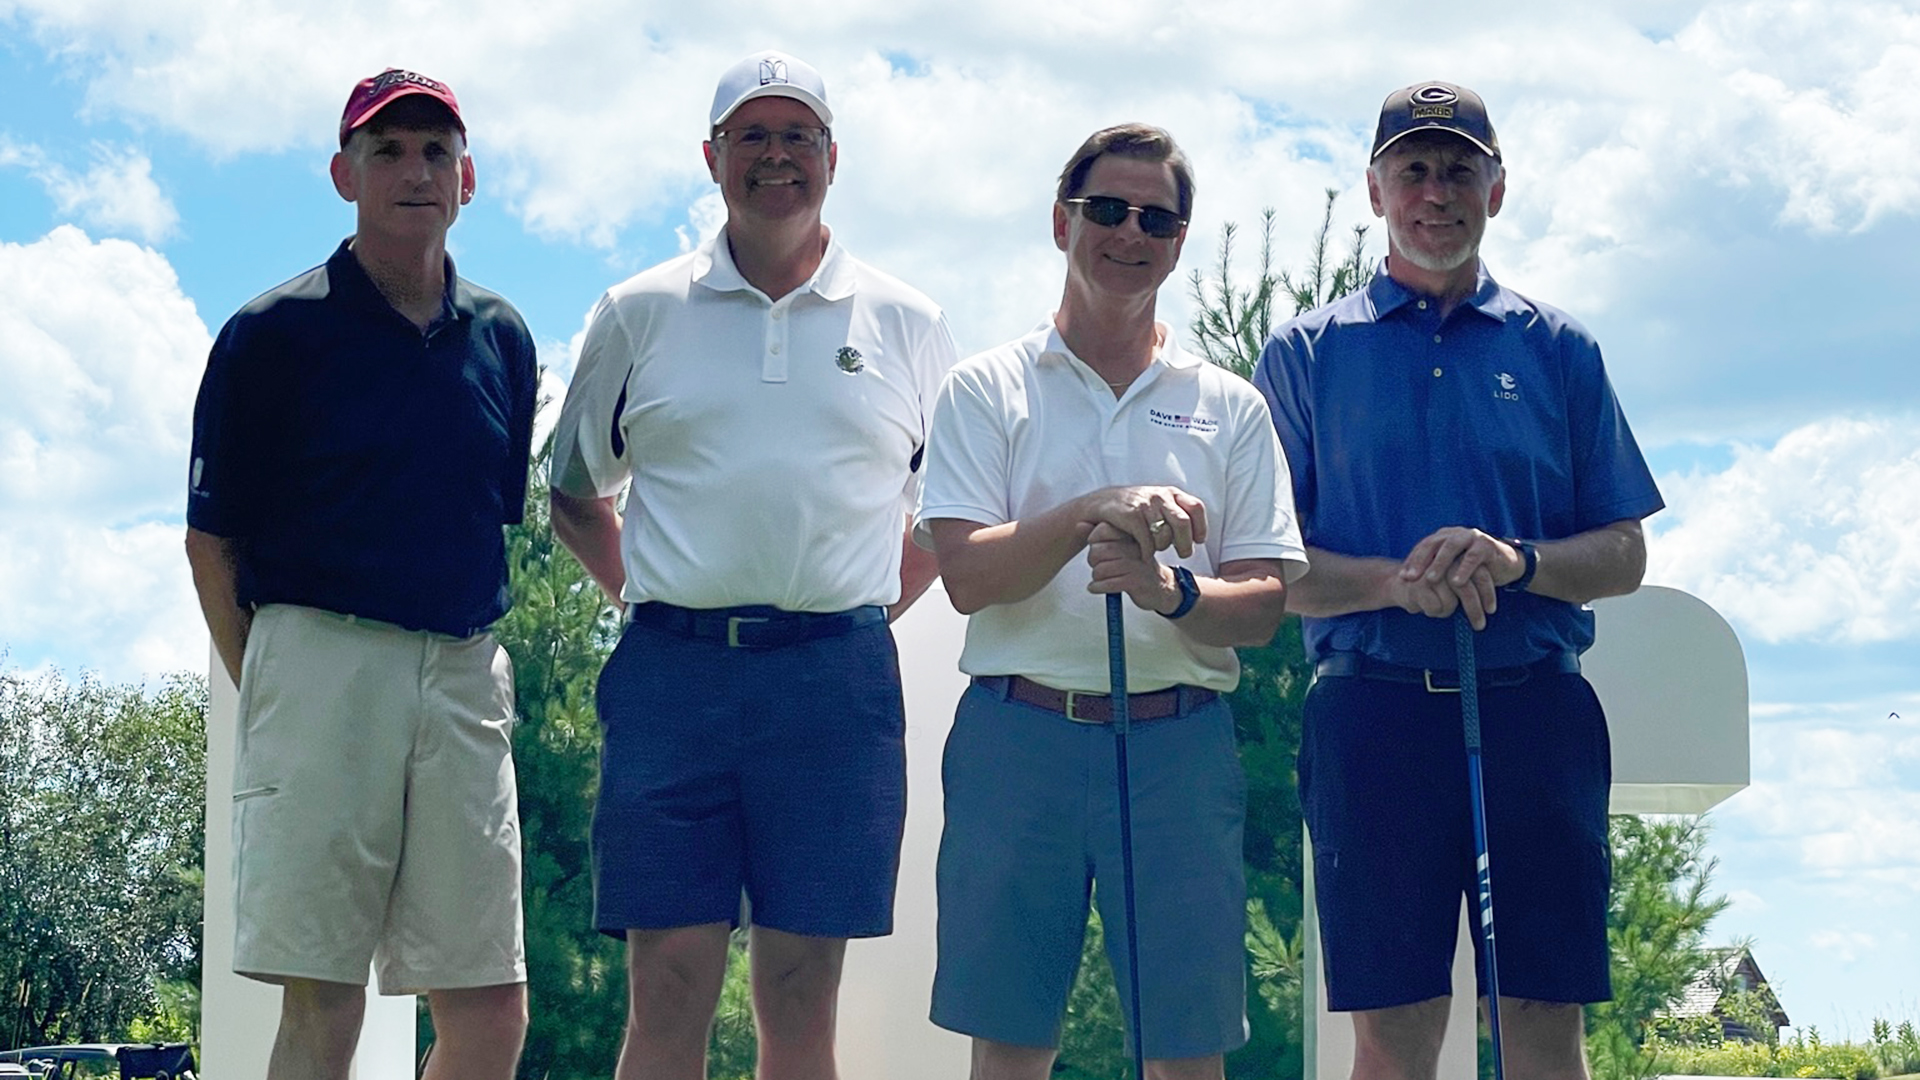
<point x="770" y="74"/>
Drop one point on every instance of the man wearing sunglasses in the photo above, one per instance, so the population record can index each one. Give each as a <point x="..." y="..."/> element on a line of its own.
<point x="1097" y="435"/>
<point x="763" y="401"/>
<point x="1455" y="447"/>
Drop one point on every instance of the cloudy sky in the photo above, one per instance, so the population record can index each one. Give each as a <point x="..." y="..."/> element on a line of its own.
<point x="1724" y="192"/>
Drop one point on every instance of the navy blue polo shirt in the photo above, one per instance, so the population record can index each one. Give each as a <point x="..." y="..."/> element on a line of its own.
<point x="366" y="467"/>
<point x="1397" y="423"/>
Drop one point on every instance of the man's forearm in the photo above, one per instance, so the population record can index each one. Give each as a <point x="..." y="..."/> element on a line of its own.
<point x="216" y="574"/>
<point x="1004" y="564"/>
<point x="1340" y="584"/>
<point x="590" y="529"/>
<point x="1608" y="561"/>
<point x="1241" y="608"/>
<point x="918" y="568"/>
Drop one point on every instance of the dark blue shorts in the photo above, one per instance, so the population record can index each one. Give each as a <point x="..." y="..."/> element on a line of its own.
<point x="1383" y="785"/>
<point x="779" y="771"/>
<point x="1032" y="826"/>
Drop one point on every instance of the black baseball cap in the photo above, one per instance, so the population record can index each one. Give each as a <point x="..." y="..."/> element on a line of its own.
<point x="1435" y="106"/>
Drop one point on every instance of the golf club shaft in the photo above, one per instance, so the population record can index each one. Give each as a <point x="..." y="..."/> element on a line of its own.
<point x="1117" y="676"/>
<point x="1469" y="673"/>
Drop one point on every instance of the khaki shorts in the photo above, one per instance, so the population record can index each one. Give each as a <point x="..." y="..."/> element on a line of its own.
<point x="374" y="810"/>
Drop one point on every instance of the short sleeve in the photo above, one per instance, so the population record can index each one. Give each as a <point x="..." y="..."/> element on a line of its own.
<point x="1281" y="377"/>
<point x="930" y="364"/>
<point x="589" y="449"/>
<point x="223" y="470"/>
<point x="1259" y="505"/>
<point x="966" y="463"/>
<point x="1611" y="479"/>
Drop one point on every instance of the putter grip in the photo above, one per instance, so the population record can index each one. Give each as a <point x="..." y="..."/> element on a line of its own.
<point x="1117" y="661"/>
<point x="1469" y="673"/>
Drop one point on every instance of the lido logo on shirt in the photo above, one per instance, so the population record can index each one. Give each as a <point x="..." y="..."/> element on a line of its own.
<point x="1507" y="390"/>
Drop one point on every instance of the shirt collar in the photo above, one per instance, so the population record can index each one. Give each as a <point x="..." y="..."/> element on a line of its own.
<point x="1489" y="297"/>
<point x="713" y="267"/>
<point x="1169" y="354"/>
<point x="345" y="272"/>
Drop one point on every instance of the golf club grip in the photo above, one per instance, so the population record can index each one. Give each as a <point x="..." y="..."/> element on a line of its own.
<point x="1469" y="673"/>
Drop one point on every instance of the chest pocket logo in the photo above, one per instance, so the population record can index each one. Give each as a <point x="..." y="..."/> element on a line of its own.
<point x="850" y="360"/>
<point x="1508" y="388"/>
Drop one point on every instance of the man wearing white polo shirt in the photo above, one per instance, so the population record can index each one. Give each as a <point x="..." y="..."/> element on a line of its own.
<point x="1095" y="433"/>
<point x="766" y="397"/>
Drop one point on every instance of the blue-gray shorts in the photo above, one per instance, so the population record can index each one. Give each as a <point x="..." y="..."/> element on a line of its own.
<point x="1383" y="785"/>
<point x="780" y="771"/>
<point x="1032" y="824"/>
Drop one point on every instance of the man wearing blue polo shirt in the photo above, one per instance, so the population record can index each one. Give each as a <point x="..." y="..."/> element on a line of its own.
<point x="763" y="400"/>
<point x="1455" y="446"/>
<point x="360" y="438"/>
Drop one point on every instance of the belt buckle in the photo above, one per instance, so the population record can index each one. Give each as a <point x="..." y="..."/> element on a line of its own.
<point x="1074" y="697"/>
<point x="733" y="629"/>
<point x="1426" y="674"/>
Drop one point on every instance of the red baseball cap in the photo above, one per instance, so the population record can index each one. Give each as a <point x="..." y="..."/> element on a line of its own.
<point x="379" y="91"/>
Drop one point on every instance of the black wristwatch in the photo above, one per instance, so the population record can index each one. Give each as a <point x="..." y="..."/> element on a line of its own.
<point x="1531" y="555"/>
<point x="1189" y="593"/>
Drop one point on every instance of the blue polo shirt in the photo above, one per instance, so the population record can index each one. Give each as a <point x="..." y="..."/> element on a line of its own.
<point x="366" y="467"/>
<point x="1397" y="423"/>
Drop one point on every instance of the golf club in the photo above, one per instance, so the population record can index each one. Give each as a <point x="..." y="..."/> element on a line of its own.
<point x="1117" y="676"/>
<point x="1470" y="719"/>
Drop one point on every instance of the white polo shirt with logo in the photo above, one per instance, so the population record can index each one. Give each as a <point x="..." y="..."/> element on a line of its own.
<point x="773" y="447"/>
<point x="1025" y="427"/>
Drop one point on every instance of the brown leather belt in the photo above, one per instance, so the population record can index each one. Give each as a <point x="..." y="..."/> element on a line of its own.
<point x="1096" y="707"/>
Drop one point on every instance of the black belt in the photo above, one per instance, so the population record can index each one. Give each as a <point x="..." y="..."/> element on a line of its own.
<point x="1443" y="680"/>
<point x="756" y="627"/>
<point x="1090" y="707"/>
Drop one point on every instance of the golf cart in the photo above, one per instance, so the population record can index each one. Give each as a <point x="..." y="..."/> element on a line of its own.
<point x="127" y="1061"/>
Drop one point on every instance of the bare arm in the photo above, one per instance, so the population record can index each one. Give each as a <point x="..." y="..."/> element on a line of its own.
<point x="590" y="528"/>
<point x="1458" y="567"/>
<point x="215" y="563"/>
<point x="1241" y="606"/>
<point x="1004" y="564"/>
<point x="918" y="568"/>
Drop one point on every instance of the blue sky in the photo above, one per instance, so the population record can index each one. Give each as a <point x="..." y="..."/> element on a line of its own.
<point x="1727" y="194"/>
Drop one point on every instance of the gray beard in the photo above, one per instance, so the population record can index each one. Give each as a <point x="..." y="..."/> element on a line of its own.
<point x="1436" y="264"/>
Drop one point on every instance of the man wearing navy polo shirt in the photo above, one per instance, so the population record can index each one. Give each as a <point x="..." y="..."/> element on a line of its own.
<point x="1455" y="446"/>
<point x="763" y="401"/>
<point x="360" y="439"/>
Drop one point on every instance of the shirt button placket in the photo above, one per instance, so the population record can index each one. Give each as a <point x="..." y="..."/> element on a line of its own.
<point x="773" y="364"/>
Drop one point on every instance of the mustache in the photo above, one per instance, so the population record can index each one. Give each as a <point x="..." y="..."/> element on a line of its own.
<point x="759" y="174"/>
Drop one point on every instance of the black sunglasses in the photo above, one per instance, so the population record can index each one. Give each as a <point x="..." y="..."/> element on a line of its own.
<point x="1108" y="212"/>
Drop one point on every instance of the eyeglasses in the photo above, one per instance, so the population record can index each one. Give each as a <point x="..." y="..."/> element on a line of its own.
<point x="758" y="138"/>
<point x="1108" y="212"/>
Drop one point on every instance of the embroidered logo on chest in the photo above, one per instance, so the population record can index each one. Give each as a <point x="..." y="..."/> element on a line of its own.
<point x="1508" y="389"/>
<point x="850" y="360"/>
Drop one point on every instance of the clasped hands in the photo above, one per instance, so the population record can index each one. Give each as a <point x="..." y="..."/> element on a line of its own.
<point x="1456" y="568"/>
<point x="1127" y="527"/>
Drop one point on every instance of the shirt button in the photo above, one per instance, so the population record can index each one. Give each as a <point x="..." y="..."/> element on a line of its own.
<point x="1436" y="339"/>
<point x="1423" y="305"/>
<point x="775" y="350"/>
<point x="779" y="312"/>
<point x="1436" y="373"/>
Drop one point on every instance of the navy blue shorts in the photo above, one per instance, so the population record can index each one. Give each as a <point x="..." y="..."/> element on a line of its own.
<point x="1383" y="785"/>
<point x="779" y="771"/>
<point x="1032" y="826"/>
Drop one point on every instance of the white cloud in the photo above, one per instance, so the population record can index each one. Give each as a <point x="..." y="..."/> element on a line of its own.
<point x="1746" y="901"/>
<point x="1845" y="945"/>
<point x="116" y="194"/>
<point x="1812" y="537"/>
<point x="101" y="354"/>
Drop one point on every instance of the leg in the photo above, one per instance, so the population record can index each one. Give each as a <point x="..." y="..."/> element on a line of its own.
<point x="1545" y="1040"/>
<point x="319" y="1028"/>
<point x="1210" y="1067"/>
<point x="673" y="985"/>
<point x="478" y="1032"/>
<point x="1005" y="1061"/>
<point x="1403" y="1042"/>
<point x="796" y="986"/>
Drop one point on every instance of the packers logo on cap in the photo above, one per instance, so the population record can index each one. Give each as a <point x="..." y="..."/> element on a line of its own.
<point x="1433" y="102"/>
<point x="849" y="359"/>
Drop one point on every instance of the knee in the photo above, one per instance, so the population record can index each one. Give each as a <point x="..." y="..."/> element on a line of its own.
<point x="498" y="1010"/>
<point x="664" y="986"/>
<point x="331" y="1012"/>
<point x="1544" y="1040"/>
<point x="796" y="984"/>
